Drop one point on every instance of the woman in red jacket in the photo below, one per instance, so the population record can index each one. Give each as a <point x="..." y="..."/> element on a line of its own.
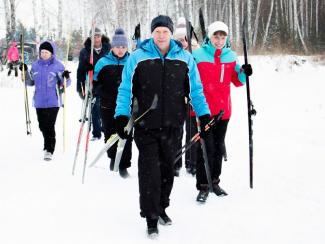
<point x="218" y="67"/>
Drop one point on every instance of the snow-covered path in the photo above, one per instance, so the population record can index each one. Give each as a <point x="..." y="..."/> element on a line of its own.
<point x="42" y="203"/>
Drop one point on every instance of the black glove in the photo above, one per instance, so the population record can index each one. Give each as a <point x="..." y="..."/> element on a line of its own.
<point x="247" y="68"/>
<point x="66" y="74"/>
<point x="89" y="66"/>
<point x="120" y="122"/>
<point x="21" y="67"/>
<point x="204" y="120"/>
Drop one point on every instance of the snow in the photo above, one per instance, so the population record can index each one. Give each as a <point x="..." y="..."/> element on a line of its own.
<point x="41" y="202"/>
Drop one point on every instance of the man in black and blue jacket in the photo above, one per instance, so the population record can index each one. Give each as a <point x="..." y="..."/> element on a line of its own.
<point x="160" y="66"/>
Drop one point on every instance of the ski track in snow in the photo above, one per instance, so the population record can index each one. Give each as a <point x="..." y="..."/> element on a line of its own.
<point x="41" y="202"/>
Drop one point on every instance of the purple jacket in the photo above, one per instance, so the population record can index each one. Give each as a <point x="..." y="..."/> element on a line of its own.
<point x="46" y="75"/>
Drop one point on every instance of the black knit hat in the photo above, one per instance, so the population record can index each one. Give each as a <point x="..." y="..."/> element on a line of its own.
<point x="47" y="46"/>
<point x="164" y="21"/>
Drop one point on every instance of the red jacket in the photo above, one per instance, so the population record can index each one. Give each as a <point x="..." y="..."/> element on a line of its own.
<point x="218" y="68"/>
<point x="13" y="53"/>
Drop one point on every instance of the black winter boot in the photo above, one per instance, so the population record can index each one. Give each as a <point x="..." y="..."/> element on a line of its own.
<point x="164" y="219"/>
<point x="152" y="230"/>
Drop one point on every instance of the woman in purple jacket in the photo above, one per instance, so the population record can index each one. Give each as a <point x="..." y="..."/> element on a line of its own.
<point x="47" y="74"/>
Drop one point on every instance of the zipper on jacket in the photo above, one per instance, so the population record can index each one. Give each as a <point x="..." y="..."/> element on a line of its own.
<point x="162" y="93"/>
<point x="222" y="73"/>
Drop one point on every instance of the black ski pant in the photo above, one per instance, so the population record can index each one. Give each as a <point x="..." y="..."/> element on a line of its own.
<point x="179" y="163"/>
<point x="215" y="150"/>
<point x="109" y="129"/>
<point x="96" y="118"/>
<point x="191" y="154"/>
<point x="46" y="120"/>
<point x="13" y="66"/>
<point x="155" y="168"/>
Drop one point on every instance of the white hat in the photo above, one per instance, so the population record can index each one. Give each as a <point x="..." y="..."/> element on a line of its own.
<point x="180" y="31"/>
<point x="217" y="26"/>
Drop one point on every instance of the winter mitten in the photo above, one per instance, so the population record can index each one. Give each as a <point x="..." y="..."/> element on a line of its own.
<point x="23" y="65"/>
<point x="121" y="121"/>
<point x="66" y="74"/>
<point x="89" y="66"/>
<point x="204" y="120"/>
<point x="247" y="68"/>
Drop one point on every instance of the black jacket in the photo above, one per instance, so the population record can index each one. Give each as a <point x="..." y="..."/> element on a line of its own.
<point x="85" y="56"/>
<point x="107" y="78"/>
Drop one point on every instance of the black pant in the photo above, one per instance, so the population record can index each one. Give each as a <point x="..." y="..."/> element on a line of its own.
<point x="13" y="66"/>
<point x="155" y="168"/>
<point x="178" y="164"/>
<point x="46" y="120"/>
<point x="109" y="129"/>
<point x="215" y="149"/>
<point x="191" y="154"/>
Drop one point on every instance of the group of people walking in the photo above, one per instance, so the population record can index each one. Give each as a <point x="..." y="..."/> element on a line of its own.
<point x="189" y="87"/>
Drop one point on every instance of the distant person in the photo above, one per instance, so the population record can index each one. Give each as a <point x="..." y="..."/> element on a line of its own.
<point x="101" y="48"/>
<point x="13" y="58"/>
<point x="47" y="74"/>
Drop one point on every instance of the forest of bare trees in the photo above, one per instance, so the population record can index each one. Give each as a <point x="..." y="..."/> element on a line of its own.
<point x="272" y="25"/>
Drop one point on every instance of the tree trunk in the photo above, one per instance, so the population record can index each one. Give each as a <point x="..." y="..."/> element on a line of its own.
<point x="257" y="16"/>
<point x="7" y="19"/>
<point x="267" y="24"/>
<point x="60" y="19"/>
<point x="294" y="2"/>
<point x="12" y="18"/>
<point x="316" y="18"/>
<point x="237" y="24"/>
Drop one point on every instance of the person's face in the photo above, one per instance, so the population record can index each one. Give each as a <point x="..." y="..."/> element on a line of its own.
<point x="218" y="40"/>
<point x="45" y="55"/>
<point x="161" y="37"/>
<point x="183" y="41"/>
<point x="97" y="41"/>
<point x="119" y="51"/>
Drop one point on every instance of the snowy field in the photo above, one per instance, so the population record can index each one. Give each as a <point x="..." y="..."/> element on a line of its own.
<point x="42" y="203"/>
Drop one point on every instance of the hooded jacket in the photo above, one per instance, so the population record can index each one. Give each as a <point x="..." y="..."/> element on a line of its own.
<point x="84" y="58"/>
<point x="13" y="53"/>
<point x="218" y="69"/>
<point x="108" y="76"/>
<point x="172" y="77"/>
<point x="46" y="75"/>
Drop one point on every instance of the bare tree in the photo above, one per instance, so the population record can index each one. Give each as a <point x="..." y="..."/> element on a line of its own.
<point x="12" y="17"/>
<point x="60" y="19"/>
<point x="268" y="24"/>
<point x="257" y="16"/>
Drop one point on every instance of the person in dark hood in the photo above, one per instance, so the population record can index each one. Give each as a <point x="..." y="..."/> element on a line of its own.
<point x="101" y="48"/>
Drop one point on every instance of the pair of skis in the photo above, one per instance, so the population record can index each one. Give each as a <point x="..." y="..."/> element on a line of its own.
<point x="87" y="106"/>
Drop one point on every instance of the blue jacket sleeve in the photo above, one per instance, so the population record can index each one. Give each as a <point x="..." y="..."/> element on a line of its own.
<point x="124" y="96"/>
<point x="197" y="97"/>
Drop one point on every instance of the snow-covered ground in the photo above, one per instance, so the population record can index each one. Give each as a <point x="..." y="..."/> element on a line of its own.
<point x="42" y="203"/>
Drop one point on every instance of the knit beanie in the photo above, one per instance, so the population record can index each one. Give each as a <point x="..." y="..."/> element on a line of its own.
<point x="119" y="39"/>
<point x="217" y="26"/>
<point x="180" y="31"/>
<point x="97" y="31"/>
<point x="162" y="21"/>
<point x="46" y="46"/>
